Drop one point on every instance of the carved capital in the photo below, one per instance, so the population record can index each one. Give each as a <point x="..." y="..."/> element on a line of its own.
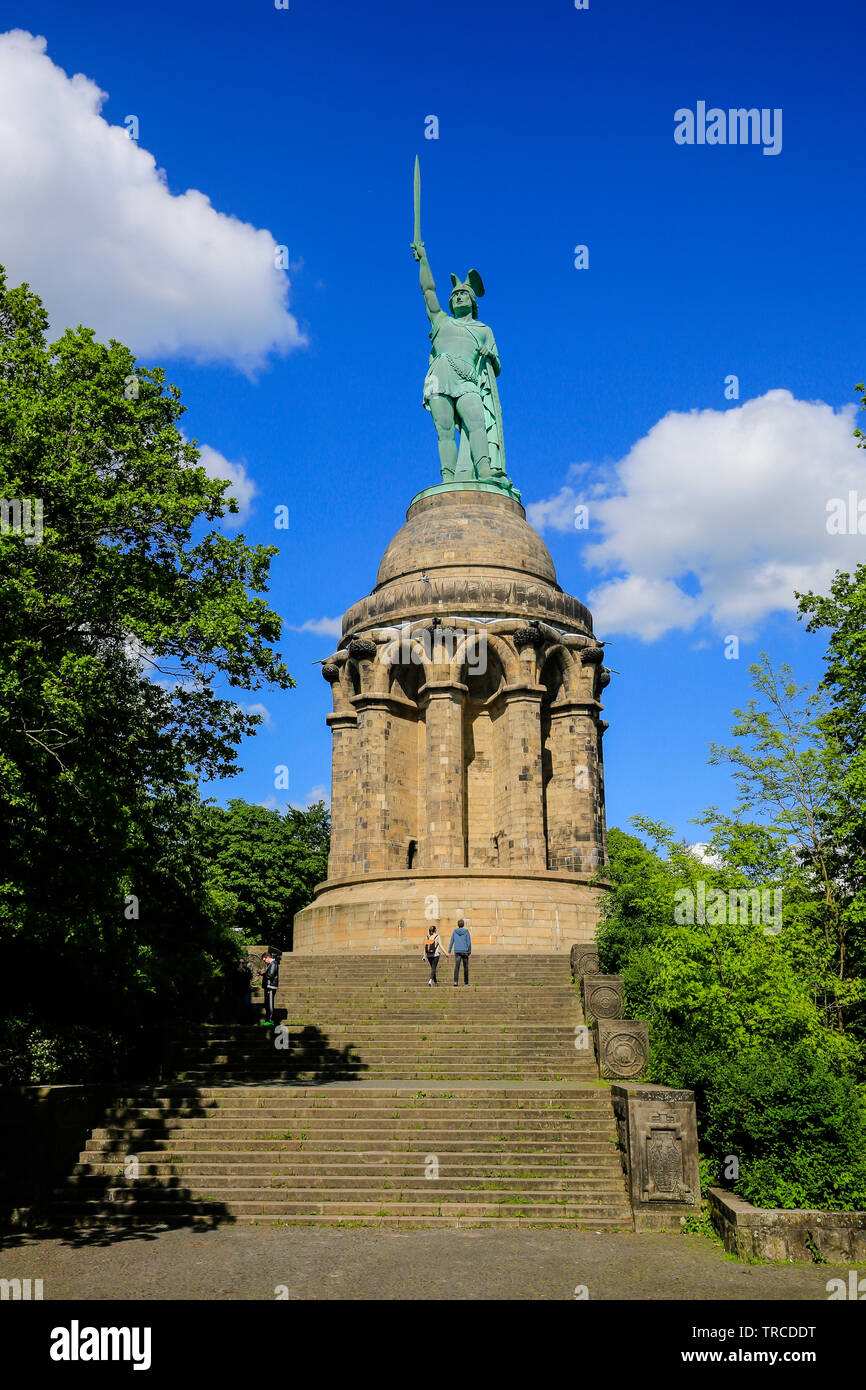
<point x="529" y="636"/>
<point x="362" y="649"/>
<point x="592" y="656"/>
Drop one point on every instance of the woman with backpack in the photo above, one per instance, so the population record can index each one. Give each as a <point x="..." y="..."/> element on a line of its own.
<point x="432" y="952"/>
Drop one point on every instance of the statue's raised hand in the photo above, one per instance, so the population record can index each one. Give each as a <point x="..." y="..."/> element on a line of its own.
<point x="418" y="250"/>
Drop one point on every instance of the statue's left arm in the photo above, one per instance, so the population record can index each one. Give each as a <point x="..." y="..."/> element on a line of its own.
<point x="491" y="352"/>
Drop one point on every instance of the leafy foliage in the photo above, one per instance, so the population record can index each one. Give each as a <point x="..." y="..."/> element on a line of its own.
<point x="736" y="1015"/>
<point x="764" y="1022"/>
<point x="104" y="904"/>
<point x="264" y="864"/>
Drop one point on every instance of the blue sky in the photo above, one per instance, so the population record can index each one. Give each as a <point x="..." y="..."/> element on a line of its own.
<point x="556" y="130"/>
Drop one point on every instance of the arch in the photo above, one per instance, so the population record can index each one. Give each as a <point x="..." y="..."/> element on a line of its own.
<point x="404" y="679"/>
<point x="482" y="684"/>
<point x="554" y="671"/>
<point x="467" y="651"/>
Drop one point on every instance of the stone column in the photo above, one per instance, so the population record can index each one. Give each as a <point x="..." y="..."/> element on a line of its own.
<point x="344" y="793"/>
<point x="600" y="814"/>
<point x="372" y="828"/>
<point x="574" y="792"/>
<point x="523" y="776"/>
<point x="444" y="841"/>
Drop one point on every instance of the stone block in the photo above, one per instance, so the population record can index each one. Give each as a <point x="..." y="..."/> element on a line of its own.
<point x="602" y="996"/>
<point x="584" y="960"/>
<point x="621" y="1047"/>
<point x="658" y="1140"/>
<point x="787" y="1235"/>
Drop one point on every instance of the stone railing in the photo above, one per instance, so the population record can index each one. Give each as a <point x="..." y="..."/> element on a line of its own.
<point x="767" y="1233"/>
<point x="621" y="1044"/>
<point x="656" y="1125"/>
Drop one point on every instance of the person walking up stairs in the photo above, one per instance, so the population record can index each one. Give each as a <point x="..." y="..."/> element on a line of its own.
<point x="461" y="942"/>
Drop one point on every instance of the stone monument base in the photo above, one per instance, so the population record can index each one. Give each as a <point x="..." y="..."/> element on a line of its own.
<point x="504" y="910"/>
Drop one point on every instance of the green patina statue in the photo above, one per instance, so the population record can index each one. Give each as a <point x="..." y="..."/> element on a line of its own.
<point x="460" y="386"/>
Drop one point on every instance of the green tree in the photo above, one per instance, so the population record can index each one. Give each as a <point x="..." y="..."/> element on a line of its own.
<point x="789" y="768"/>
<point x="842" y="614"/>
<point x="125" y="627"/>
<point x="265" y="863"/>
<point x="733" y="1014"/>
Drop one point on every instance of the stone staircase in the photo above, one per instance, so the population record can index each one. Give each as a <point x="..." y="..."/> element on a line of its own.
<point x="378" y="1101"/>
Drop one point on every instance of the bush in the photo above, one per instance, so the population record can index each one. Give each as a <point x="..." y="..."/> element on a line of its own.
<point x="797" y="1130"/>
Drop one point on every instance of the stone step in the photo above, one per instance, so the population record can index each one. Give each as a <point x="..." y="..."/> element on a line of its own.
<point x="226" y="1150"/>
<point x="361" y="1209"/>
<point x="304" y="1155"/>
<point x="469" y="1048"/>
<point x="463" y="1163"/>
<point x="280" y="1105"/>
<point x="363" y="1090"/>
<point x="213" y="1145"/>
<point x="491" y="1033"/>
<point x="307" y="1076"/>
<point x="346" y="1188"/>
<point x="242" y="1116"/>
<point x="557" y="1133"/>
<point x="98" y="1218"/>
<point x="358" y="1058"/>
<point x="342" y="1115"/>
<point x="495" y="962"/>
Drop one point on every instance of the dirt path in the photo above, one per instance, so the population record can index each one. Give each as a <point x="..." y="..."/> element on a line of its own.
<point x="250" y="1263"/>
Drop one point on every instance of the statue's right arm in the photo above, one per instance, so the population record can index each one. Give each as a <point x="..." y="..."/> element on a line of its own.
<point x="428" y="285"/>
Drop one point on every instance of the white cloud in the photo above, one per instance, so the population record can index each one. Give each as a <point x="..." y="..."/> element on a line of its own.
<point x="557" y="513"/>
<point x="243" y="488"/>
<point x="325" y="627"/>
<point x="317" y="793"/>
<point x="717" y="516"/>
<point x="705" y="855"/>
<point x="89" y="221"/>
<point x="262" y="710"/>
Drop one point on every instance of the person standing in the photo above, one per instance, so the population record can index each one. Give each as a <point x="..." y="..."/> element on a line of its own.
<point x="270" y="981"/>
<point x="243" y="985"/>
<point x="432" y="952"/>
<point x="461" y="942"/>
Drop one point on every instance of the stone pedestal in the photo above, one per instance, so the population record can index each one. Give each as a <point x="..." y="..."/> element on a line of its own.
<point x="504" y="910"/>
<point x="466" y="742"/>
<point x="658" y="1141"/>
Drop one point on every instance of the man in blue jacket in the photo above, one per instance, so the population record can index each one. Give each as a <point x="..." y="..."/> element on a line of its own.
<point x="461" y="942"/>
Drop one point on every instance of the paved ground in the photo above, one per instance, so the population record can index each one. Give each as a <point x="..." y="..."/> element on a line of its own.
<point x="249" y="1263"/>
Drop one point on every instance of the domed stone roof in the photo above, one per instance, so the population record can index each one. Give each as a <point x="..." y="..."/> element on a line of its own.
<point x="452" y="532"/>
<point x="466" y="550"/>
